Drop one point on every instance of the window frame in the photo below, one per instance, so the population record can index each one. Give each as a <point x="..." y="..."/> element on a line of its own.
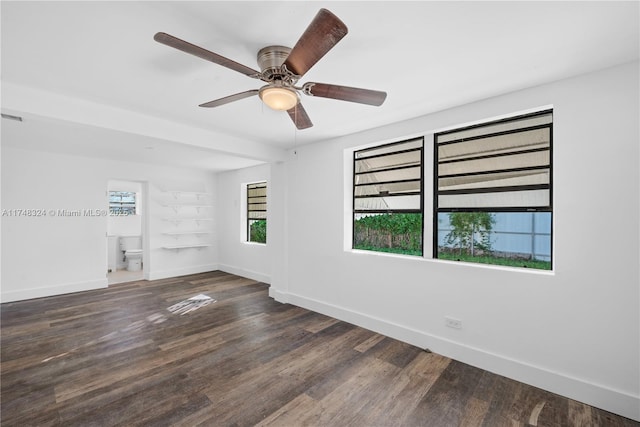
<point x="354" y="185"/>
<point x="248" y="188"/>
<point x="496" y="209"/>
<point x="120" y="208"/>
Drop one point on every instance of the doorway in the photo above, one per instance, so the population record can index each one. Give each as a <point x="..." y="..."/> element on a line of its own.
<point x="125" y="231"/>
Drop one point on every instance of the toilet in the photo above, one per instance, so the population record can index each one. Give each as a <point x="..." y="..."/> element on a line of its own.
<point x="131" y="247"/>
<point x="134" y="259"/>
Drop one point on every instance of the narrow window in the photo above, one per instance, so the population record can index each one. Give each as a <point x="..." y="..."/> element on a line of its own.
<point x="387" y="198"/>
<point x="493" y="192"/>
<point x="257" y="212"/>
<point x="122" y="203"/>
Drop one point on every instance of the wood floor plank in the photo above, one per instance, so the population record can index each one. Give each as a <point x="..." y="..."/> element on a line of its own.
<point x="118" y="357"/>
<point x="474" y="412"/>
<point x="156" y="397"/>
<point x="372" y="341"/>
<point x="579" y="414"/>
<point x="292" y="413"/>
<point x="317" y="326"/>
<point x="422" y="373"/>
<point x="283" y="378"/>
<point x="346" y="403"/>
<point x="447" y="399"/>
<point x="394" y="352"/>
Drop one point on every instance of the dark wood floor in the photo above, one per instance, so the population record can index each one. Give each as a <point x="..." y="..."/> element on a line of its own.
<point x="119" y="357"/>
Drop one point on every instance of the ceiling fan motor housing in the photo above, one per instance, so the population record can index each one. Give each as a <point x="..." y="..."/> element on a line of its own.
<point x="270" y="60"/>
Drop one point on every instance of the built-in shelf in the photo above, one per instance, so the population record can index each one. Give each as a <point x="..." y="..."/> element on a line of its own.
<point x="176" y="207"/>
<point x="186" y="205"/>
<point x="189" y="201"/>
<point x="178" y="194"/>
<point x="179" y="233"/>
<point x="185" y="233"/>
<point x="177" y="220"/>
<point x="177" y="247"/>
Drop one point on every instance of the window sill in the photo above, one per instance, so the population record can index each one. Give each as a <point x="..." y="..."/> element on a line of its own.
<point x="495" y="267"/>
<point x="385" y="254"/>
<point x="456" y="263"/>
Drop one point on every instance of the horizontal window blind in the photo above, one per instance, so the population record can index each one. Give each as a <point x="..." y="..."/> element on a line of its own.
<point x="500" y="165"/>
<point x="388" y="178"/>
<point x="122" y="202"/>
<point x="257" y="201"/>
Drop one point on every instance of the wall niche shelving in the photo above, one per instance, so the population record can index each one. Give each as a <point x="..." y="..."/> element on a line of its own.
<point x="189" y="207"/>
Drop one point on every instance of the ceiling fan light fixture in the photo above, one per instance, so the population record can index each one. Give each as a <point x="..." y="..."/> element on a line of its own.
<point x="278" y="97"/>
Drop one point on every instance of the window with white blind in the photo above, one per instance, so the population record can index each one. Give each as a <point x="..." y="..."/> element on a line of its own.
<point x="493" y="192"/>
<point x="122" y="203"/>
<point x="257" y="212"/>
<point x="387" y="198"/>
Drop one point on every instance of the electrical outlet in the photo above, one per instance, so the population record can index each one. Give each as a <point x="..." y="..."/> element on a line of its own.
<point x="452" y="322"/>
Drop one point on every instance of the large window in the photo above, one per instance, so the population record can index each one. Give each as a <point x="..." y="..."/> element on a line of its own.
<point x="122" y="203"/>
<point x="257" y="212"/>
<point x="493" y="192"/>
<point x="387" y="198"/>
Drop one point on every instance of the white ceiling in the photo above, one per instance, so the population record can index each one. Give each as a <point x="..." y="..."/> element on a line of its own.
<point x="95" y="66"/>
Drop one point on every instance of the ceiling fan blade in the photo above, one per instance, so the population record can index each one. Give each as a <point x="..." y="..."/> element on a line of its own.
<point x="324" y="32"/>
<point x="230" y="98"/>
<point x="299" y="117"/>
<point x="187" y="47"/>
<point x="345" y="93"/>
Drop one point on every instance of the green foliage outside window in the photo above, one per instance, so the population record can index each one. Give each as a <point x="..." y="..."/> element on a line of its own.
<point x="470" y="231"/>
<point x="469" y="240"/>
<point x="395" y="232"/>
<point x="258" y="231"/>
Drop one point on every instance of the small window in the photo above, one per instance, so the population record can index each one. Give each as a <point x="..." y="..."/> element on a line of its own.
<point x="493" y="191"/>
<point x="387" y="198"/>
<point x="257" y="212"/>
<point x="122" y="203"/>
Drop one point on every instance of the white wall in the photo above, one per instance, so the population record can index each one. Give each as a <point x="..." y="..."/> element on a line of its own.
<point x="55" y="254"/>
<point x="574" y="331"/>
<point x="236" y="255"/>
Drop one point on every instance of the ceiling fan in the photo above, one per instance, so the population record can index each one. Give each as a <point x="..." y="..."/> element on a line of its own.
<point x="281" y="68"/>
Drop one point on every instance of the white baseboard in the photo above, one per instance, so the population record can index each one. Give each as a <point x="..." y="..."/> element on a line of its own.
<point x="279" y="296"/>
<point x="184" y="271"/>
<point x="592" y="394"/>
<point x="53" y="290"/>
<point x="249" y="274"/>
